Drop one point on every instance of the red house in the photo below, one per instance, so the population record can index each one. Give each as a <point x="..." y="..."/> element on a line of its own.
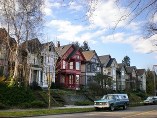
<point x="68" y="67"/>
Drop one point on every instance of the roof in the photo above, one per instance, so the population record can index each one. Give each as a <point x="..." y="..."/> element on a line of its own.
<point x="34" y="45"/>
<point x="3" y="37"/>
<point x="62" y="49"/>
<point x="110" y="62"/>
<point x="140" y="71"/>
<point x="129" y="69"/>
<point x="105" y="59"/>
<point x="88" y="54"/>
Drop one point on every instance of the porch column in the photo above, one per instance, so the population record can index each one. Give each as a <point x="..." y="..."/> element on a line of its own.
<point x="39" y="78"/>
<point x="30" y="77"/>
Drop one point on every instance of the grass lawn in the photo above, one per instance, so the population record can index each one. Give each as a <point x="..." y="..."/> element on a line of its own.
<point x="43" y="112"/>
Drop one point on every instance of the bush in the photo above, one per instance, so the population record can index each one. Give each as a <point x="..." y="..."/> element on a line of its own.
<point x="2" y="106"/>
<point x="38" y="104"/>
<point x="54" y="86"/>
<point x="34" y="85"/>
<point x="82" y="103"/>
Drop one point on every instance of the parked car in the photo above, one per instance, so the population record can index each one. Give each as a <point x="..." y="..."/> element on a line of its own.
<point x="151" y="100"/>
<point x="112" y="101"/>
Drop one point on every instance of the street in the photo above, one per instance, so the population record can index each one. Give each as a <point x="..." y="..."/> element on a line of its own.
<point x="149" y="111"/>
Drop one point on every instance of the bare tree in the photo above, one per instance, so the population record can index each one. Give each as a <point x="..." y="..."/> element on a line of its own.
<point x="142" y="8"/>
<point x="23" y="18"/>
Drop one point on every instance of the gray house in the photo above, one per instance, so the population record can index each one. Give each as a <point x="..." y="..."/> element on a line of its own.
<point x="109" y="67"/>
<point x="141" y="74"/>
<point x="90" y="67"/>
<point x="121" y="77"/>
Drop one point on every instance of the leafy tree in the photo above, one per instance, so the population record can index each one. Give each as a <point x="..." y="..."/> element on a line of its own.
<point x="126" y="61"/>
<point x="104" y="81"/>
<point x="85" y="46"/>
<point x="150" y="82"/>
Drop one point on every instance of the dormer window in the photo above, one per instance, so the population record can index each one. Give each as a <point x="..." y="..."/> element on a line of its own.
<point x="64" y="64"/>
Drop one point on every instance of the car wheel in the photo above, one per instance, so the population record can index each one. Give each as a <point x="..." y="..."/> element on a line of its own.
<point x="125" y="106"/>
<point x="112" y="108"/>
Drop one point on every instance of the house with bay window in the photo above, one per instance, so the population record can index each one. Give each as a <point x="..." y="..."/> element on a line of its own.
<point x="90" y="67"/>
<point x="68" y="66"/>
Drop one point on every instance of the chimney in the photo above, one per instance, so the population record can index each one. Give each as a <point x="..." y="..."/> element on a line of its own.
<point x="58" y="44"/>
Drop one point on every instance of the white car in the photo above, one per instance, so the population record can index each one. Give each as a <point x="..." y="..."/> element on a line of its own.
<point x="151" y="100"/>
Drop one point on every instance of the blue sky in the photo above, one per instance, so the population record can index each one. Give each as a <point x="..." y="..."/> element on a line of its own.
<point x="70" y="21"/>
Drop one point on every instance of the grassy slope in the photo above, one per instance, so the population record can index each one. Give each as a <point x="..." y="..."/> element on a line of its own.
<point x="43" y="112"/>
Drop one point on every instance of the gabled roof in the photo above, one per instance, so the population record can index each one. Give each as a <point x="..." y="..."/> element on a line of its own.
<point x="3" y="38"/>
<point x="34" y="45"/>
<point x="89" y="54"/>
<point x="140" y="71"/>
<point x="62" y="49"/>
<point x="129" y="69"/>
<point x="105" y="59"/>
<point x="110" y="62"/>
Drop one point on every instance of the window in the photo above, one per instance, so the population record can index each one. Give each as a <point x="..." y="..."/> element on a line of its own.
<point x="42" y="58"/>
<point x="77" y="65"/>
<point x="122" y="72"/>
<point x="50" y="48"/>
<point x="62" y="79"/>
<point x="77" y="79"/>
<point x="64" y="64"/>
<point x="78" y="57"/>
<point x="70" y="79"/>
<point x="88" y="67"/>
<point x="71" y="65"/>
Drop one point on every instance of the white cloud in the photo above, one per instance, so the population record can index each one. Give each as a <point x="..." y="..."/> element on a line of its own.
<point x="49" y="5"/>
<point x="107" y="14"/>
<point x="71" y="32"/>
<point x="75" y="6"/>
<point x="138" y="44"/>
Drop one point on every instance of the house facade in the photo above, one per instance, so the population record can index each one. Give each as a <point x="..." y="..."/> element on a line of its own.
<point x="121" y="80"/>
<point x="132" y="78"/>
<point x="40" y="62"/>
<point x="6" y="56"/>
<point x="109" y="67"/>
<point x="69" y="66"/>
<point x="90" y="67"/>
<point x="141" y="74"/>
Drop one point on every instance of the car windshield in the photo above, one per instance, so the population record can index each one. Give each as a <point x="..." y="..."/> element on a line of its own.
<point x="149" y="98"/>
<point x="109" y="97"/>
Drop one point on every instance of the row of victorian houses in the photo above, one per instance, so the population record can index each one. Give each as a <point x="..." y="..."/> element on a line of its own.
<point x="68" y="65"/>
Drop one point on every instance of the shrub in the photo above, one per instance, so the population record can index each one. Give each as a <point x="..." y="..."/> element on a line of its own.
<point x="82" y="103"/>
<point x="54" y="86"/>
<point x="38" y="104"/>
<point x="34" y="85"/>
<point x="2" y="106"/>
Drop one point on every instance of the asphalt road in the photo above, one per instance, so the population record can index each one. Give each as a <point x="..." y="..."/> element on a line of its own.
<point x="149" y="111"/>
